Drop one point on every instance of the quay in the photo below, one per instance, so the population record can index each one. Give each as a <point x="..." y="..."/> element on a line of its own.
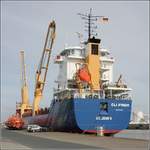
<point x="21" y="139"/>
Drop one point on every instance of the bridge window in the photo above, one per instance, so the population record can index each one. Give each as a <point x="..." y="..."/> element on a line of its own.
<point x="72" y="51"/>
<point x="94" y="49"/>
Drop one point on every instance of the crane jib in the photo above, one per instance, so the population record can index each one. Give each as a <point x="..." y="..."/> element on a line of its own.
<point x="43" y="65"/>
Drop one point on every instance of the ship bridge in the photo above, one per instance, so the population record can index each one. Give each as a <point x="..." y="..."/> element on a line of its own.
<point x="72" y="55"/>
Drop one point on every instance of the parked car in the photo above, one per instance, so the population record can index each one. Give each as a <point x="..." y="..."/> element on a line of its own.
<point x="34" y="128"/>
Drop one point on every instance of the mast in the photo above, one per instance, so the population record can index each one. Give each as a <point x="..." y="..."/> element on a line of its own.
<point x="92" y="52"/>
<point x="90" y="22"/>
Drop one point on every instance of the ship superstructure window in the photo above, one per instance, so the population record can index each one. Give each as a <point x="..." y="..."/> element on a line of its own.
<point x="65" y="53"/>
<point x="68" y="53"/>
<point x="72" y="51"/>
<point x="104" y="76"/>
<point x="104" y="65"/>
<point x="94" y="50"/>
<point x="83" y="52"/>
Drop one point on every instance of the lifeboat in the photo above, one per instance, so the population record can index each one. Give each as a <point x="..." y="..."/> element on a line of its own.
<point x="15" y="122"/>
<point x="84" y="75"/>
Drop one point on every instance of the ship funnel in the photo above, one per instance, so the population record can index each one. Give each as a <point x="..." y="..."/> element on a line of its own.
<point x="93" y="61"/>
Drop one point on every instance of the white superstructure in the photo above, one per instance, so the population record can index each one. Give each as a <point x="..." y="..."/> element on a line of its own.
<point x="106" y="66"/>
<point x="69" y="59"/>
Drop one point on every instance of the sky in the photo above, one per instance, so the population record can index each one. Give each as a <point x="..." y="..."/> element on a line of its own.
<point x="24" y="25"/>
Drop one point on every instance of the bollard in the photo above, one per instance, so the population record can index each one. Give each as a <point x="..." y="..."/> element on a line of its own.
<point x="100" y="131"/>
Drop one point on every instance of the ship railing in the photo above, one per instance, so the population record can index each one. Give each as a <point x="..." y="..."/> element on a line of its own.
<point x="119" y="97"/>
<point x="100" y="94"/>
<point x="88" y="94"/>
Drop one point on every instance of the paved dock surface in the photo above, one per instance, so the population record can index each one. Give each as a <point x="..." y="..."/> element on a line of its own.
<point x="57" y="140"/>
<point x="23" y="140"/>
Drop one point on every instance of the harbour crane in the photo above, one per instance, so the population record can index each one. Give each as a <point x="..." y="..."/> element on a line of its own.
<point x="24" y="88"/>
<point x="41" y="72"/>
<point x="15" y="121"/>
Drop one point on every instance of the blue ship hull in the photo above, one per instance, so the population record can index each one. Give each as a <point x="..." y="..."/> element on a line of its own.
<point x="86" y="115"/>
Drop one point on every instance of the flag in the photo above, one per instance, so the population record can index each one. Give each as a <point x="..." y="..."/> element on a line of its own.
<point x="104" y="19"/>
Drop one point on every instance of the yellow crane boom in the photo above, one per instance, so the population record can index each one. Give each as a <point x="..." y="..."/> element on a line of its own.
<point x="24" y="105"/>
<point x="41" y="72"/>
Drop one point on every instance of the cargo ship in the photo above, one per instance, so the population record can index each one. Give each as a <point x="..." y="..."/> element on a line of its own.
<point x="85" y="99"/>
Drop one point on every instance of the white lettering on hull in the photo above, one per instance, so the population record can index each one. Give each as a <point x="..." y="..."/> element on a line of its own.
<point x="120" y="105"/>
<point x="103" y="118"/>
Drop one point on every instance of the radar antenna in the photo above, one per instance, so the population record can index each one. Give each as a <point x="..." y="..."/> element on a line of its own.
<point x="90" y="22"/>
